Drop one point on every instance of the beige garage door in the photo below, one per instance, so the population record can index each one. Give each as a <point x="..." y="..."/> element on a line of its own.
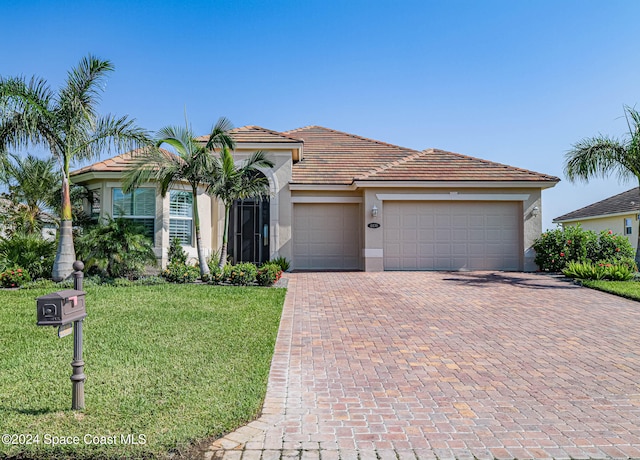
<point x="326" y="236"/>
<point x="421" y="235"/>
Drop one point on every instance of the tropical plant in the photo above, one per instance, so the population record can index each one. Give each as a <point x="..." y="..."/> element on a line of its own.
<point x="282" y="262"/>
<point x="602" y="270"/>
<point x="230" y="183"/>
<point x="67" y="123"/>
<point x="191" y="161"/>
<point x="30" y="252"/>
<point x="116" y="249"/>
<point x="31" y="184"/>
<point x="604" y="155"/>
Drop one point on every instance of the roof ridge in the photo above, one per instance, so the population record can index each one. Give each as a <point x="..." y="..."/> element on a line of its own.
<point x="355" y="136"/>
<point x="266" y="130"/>
<point x="488" y="162"/>
<point x="386" y="166"/>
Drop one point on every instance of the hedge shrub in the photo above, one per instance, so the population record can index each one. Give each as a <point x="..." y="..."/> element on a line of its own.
<point x="556" y="248"/>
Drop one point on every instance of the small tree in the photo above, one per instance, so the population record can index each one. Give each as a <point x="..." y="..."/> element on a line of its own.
<point x="604" y="155"/>
<point x="230" y="182"/>
<point x="67" y="123"/>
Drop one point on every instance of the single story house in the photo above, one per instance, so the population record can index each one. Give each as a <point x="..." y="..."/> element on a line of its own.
<point x="619" y="213"/>
<point x="339" y="201"/>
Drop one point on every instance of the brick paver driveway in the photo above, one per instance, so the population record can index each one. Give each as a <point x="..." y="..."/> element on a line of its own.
<point x="449" y="365"/>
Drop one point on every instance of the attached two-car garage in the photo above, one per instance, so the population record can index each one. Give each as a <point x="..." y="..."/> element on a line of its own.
<point x="417" y="235"/>
<point x="451" y="235"/>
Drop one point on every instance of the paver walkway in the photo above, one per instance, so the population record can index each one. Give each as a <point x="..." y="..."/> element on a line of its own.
<point x="448" y="365"/>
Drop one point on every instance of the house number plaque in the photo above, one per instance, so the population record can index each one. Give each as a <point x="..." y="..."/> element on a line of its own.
<point x="374" y="225"/>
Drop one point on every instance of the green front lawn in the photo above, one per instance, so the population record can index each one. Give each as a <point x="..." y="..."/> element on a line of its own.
<point x="628" y="289"/>
<point x="166" y="366"/>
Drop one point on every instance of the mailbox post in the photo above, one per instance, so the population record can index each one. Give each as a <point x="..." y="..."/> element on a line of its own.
<point x="61" y="309"/>
<point x="78" y="377"/>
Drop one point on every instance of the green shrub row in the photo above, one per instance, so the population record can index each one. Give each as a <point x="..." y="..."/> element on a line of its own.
<point x="555" y="249"/>
<point x="246" y="273"/>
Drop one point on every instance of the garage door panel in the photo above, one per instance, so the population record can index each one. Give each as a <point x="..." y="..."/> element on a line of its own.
<point x="452" y="235"/>
<point x="326" y="236"/>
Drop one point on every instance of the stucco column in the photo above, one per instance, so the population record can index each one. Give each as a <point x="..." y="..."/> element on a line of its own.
<point x="373" y="237"/>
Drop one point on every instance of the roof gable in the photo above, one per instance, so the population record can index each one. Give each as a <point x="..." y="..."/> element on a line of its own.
<point x="628" y="201"/>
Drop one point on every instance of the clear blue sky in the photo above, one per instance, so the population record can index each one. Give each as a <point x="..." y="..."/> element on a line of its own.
<point x="510" y="81"/>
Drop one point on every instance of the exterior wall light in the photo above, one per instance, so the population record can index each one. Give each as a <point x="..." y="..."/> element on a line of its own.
<point x="374" y="211"/>
<point x="535" y="211"/>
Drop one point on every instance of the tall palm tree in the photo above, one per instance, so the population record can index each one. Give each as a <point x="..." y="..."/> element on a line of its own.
<point x="68" y="124"/>
<point x="193" y="162"/>
<point x="32" y="184"/>
<point x="230" y="182"/>
<point x="602" y="155"/>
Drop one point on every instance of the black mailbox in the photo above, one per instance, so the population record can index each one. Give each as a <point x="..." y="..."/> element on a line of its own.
<point x="61" y="307"/>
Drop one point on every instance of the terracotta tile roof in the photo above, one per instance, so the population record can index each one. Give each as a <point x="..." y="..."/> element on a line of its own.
<point x="255" y="134"/>
<point x="334" y="157"/>
<point x="434" y="164"/>
<point x="118" y="163"/>
<point x="628" y="201"/>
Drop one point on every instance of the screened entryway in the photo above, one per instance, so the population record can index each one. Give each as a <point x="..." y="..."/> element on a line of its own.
<point x="249" y="231"/>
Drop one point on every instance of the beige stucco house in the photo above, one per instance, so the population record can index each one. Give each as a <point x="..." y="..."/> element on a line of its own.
<point x="343" y="202"/>
<point x="618" y="213"/>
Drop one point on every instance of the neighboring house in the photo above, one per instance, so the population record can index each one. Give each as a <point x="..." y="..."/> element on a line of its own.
<point x="343" y="202"/>
<point x="618" y="213"/>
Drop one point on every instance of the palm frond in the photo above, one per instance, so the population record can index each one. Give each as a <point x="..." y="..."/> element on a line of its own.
<point x="594" y="157"/>
<point x="220" y="137"/>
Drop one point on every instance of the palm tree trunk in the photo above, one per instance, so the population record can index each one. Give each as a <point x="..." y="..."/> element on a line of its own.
<point x="202" y="260"/>
<point x="66" y="253"/>
<point x="225" y="236"/>
<point x="638" y="244"/>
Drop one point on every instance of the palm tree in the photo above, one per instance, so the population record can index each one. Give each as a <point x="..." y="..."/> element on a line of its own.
<point x="67" y="123"/>
<point x="602" y="155"/>
<point x="32" y="184"/>
<point x="193" y="162"/>
<point x="230" y="182"/>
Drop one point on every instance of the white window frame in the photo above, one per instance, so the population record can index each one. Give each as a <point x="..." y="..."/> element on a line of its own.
<point x="182" y="214"/>
<point x="628" y="226"/>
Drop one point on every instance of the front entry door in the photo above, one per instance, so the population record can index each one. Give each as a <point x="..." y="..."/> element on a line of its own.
<point x="249" y="231"/>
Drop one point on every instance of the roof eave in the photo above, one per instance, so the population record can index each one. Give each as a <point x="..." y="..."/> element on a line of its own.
<point x="560" y="220"/>
<point x="456" y="184"/>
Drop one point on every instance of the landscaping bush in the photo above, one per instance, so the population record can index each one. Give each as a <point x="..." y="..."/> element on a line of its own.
<point x="242" y="274"/>
<point x="30" y="252"/>
<point x="598" y="271"/>
<point x="268" y="274"/>
<point x="180" y="273"/>
<point x="14" y="277"/>
<point x="556" y="248"/>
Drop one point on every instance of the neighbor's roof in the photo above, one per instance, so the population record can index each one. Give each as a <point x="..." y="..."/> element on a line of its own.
<point x="334" y="157"/>
<point x="628" y="201"/>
